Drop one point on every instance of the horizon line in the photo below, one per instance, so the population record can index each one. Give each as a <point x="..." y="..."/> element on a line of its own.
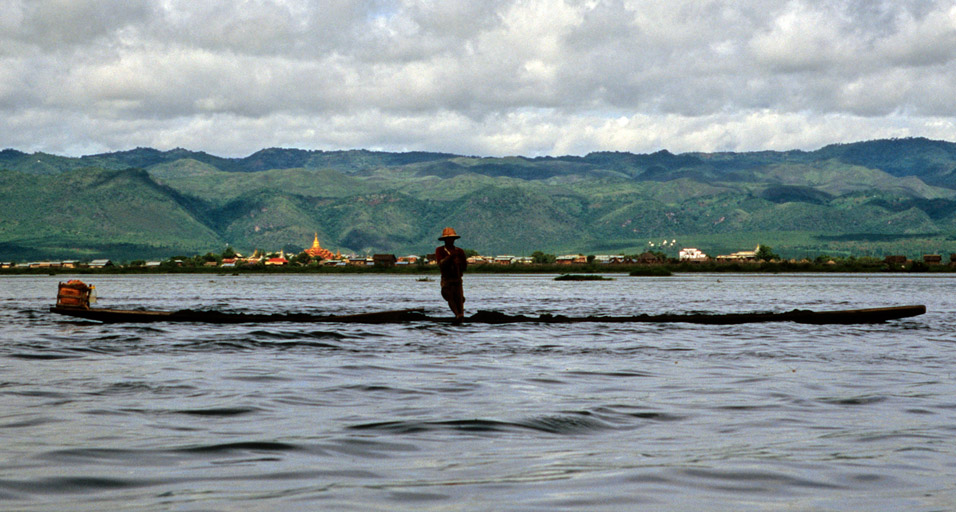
<point x="413" y="151"/>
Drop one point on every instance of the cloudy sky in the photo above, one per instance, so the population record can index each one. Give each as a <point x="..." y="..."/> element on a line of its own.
<point x="477" y="77"/>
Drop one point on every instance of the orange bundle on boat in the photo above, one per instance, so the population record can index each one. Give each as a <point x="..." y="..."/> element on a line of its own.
<point x="74" y="294"/>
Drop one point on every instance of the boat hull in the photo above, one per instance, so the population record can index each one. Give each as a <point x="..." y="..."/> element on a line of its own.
<point x="849" y="316"/>
<point x="846" y="316"/>
<point x="218" y="317"/>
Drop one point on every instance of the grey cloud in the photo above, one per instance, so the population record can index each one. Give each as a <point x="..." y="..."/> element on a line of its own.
<point x="295" y="29"/>
<point x="534" y="76"/>
<point x="55" y="24"/>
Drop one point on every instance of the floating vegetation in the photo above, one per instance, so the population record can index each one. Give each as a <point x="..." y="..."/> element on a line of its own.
<point x="652" y="272"/>
<point x="582" y="277"/>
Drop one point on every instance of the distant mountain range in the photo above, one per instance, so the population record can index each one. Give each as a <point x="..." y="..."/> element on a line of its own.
<point x="867" y="198"/>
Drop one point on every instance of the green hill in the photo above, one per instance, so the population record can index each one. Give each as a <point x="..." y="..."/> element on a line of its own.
<point x="874" y="198"/>
<point x="88" y="213"/>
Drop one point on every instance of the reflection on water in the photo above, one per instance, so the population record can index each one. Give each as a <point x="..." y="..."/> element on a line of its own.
<point x="512" y="417"/>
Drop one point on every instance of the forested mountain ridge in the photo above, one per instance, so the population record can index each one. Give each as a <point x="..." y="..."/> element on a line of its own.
<point x="871" y="197"/>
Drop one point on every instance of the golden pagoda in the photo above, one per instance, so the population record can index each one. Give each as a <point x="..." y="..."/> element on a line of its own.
<point x="317" y="251"/>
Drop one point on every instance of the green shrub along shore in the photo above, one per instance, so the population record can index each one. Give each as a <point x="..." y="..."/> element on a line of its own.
<point x="648" y="264"/>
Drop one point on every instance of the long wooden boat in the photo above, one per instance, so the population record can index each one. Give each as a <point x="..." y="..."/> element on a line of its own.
<point x="74" y="297"/>
<point x="803" y="316"/>
<point x="219" y="317"/>
<point x="846" y="316"/>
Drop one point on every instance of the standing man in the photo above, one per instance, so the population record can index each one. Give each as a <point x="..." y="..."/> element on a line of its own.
<point x="452" y="262"/>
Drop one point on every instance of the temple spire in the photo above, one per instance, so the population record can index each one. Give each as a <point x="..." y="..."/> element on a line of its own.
<point x="317" y="250"/>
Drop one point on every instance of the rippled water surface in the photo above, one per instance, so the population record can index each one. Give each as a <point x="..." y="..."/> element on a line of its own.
<point x="476" y="417"/>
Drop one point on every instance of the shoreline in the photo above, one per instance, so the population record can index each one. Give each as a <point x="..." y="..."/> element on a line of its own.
<point x="638" y="270"/>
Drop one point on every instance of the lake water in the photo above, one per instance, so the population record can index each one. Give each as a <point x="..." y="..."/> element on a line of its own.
<point x="301" y="417"/>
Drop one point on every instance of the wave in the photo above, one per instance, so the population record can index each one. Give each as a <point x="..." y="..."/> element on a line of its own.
<point x="219" y="411"/>
<point x="270" y="446"/>
<point x="557" y="424"/>
<point x="13" y="489"/>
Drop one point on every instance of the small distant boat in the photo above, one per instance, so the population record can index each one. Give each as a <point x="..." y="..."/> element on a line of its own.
<point x="73" y="300"/>
<point x="582" y="277"/>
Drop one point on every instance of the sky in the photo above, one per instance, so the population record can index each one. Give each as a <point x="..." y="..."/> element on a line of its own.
<point x="473" y="77"/>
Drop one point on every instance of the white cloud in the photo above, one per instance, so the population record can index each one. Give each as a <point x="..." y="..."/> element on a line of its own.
<point x="496" y="77"/>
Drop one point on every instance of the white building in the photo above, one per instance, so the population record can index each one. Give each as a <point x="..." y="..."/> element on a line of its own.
<point x="691" y="254"/>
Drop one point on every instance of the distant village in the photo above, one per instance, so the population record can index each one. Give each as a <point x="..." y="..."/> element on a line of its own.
<point x="316" y="255"/>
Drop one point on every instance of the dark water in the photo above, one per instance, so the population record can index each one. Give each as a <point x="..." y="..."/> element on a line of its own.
<point x="522" y="417"/>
